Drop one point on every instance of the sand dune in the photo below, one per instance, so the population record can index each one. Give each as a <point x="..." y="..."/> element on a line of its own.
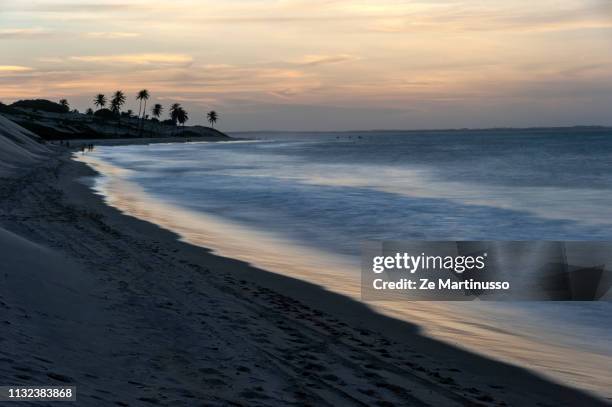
<point x="18" y="147"/>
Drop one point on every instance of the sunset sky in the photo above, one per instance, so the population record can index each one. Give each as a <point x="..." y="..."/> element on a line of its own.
<point x="321" y="64"/>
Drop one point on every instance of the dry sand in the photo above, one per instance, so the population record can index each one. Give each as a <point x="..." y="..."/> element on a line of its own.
<point x="130" y="315"/>
<point x="18" y="148"/>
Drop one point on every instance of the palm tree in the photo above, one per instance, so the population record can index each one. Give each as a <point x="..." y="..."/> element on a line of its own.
<point x="182" y="117"/>
<point x="116" y="102"/>
<point x="157" y="111"/>
<point x="212" y="117"/>
<point x="174" y="109"/>
<point x="142" y="95"/>
<point x="65" y="105"/>
<point x="100" y="100"/>
<point x="174" y="112"/>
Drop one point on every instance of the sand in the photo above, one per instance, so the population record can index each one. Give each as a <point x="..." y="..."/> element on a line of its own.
<point x="130" y="315"/>
<point x="18" y="147"/>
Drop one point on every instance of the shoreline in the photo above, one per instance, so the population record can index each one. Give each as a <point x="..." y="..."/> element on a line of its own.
<point x="145" y="140"/>
<point x="504" y="332"/>
<point x="155" y="301"/>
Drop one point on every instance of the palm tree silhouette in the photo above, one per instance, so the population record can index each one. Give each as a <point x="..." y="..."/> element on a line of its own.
<point x="65" y="105"/>
<point x="142" y="95"/>
<point x="116" y="102"/>
<point x="157" y="111"/>
<point x="100" y="100"/>
<point x="174" y="112"/>
<point x="182" y="116"/>
<point x="212" y="117"/>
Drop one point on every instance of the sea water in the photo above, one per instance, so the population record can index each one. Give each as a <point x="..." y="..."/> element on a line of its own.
<point x="300" y="204"/>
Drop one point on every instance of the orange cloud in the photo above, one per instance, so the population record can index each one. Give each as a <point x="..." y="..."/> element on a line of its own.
<point x="315" y="60"/>
<point x="112" y="34"/>
<point x="14" y="68"/>
<point x="138" y="59"/>
<point x="22" y="33"/>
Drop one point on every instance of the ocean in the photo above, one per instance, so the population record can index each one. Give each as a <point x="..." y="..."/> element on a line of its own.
<point x="300" y="204"/>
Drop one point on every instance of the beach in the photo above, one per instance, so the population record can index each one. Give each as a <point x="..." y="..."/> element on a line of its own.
<point x="131" y="315"/>
<point x="295" y="203"/>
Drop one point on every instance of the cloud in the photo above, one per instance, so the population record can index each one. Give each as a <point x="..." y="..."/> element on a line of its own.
<point x="190" y="99"/>
<point x="469" y="17"/>
<point x="578" y="71"/>
<point x="51" y="60"/>
<point x="22" y="33"/>
<point x="289" y="19"/>
<point x="112" y="34"/>
<point x="84" y="7"/>
<point x="14" y="68"/>
<point x="316" y="60"/>
<point x="138" y="59"/>
<point x="365" y="53"/>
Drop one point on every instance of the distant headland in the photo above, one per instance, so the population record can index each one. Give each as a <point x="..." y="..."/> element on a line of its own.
<point x="57" y="121"/>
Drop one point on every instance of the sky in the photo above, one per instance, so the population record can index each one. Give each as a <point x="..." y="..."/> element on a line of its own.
<point x="321" y="64"/>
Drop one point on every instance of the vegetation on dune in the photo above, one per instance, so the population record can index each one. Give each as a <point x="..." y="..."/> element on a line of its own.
<point x="109" y="113"/>
<point x="7" y="109"/>
<point x="42" y="105"/>
<point x="65" y="105"/>
<point x="105" y="114"/>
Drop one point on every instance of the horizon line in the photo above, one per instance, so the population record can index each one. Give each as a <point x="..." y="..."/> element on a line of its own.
<point x="576" y="126"/>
